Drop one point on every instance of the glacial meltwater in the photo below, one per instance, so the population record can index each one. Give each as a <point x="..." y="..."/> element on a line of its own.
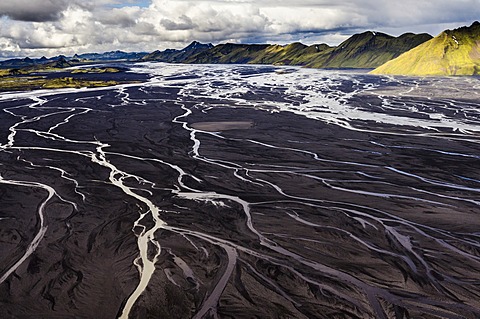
<point x="241" y="191"/>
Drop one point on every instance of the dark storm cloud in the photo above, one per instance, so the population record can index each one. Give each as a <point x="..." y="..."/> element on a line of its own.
<point x="184" y="23"/>
<point x="36" y="10"/>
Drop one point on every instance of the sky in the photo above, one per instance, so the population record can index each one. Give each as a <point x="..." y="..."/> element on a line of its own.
<point x="50" y="27"/>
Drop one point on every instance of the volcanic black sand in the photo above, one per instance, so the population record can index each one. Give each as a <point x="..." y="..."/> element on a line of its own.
<point x="212" y="192"/>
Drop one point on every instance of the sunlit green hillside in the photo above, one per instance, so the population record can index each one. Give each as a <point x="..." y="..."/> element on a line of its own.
<point x="452" y="52"/>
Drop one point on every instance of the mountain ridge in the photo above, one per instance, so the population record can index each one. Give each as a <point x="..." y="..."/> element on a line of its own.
<point x="452" y="52"/>
<point x="177" y="56"/>
<point x="369" y="49"/>
<point x="365" y="50"/>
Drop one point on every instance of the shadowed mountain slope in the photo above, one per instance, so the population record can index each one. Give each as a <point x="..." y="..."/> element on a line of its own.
<point x="177" y="56"/>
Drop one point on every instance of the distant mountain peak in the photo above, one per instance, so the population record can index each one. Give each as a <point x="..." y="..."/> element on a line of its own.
<point x="195" y="45"/>
<point x="178" y="56"/>
<point x="61" y="62"/>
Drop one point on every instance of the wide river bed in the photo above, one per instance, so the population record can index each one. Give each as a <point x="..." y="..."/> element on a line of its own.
<point x="242" y="192"/>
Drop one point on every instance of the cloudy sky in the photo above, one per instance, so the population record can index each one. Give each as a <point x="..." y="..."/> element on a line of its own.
<point x="50" y="27"/>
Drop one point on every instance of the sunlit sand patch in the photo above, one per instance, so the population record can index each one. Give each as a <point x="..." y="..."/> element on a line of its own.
<point x="222" y="126"/>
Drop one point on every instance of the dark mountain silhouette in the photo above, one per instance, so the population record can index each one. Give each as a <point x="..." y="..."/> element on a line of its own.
<point x="178" y="56"/>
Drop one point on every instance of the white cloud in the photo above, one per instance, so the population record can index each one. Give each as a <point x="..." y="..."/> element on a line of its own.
<point x="49" y="27"/>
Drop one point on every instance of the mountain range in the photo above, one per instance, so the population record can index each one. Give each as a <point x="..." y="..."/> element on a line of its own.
<point x="453" y="52"/>
<point x="76" y="59"/>
<point x="111" y="56"/>
<point x="365" y="50"/>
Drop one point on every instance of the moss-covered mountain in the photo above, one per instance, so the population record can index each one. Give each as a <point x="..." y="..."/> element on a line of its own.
<point x="365" y="50"/>
<point x="452" y="52"/>
<point x="368" y="50"/>
<point x="229" y="53"/>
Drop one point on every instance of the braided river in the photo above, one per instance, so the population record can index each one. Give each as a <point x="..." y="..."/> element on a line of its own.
<point x="242" y="191"/>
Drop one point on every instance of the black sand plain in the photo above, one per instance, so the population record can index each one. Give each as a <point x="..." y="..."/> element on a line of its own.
<point x="267" y="214"/>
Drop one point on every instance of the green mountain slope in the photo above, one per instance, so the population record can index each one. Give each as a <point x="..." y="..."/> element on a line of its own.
<point x="452" y="52"/>
<point x="365" y="50"/>
<point x="291" y="54"/>
<point x="368" y="50"/>
<point x="230" y="53"/>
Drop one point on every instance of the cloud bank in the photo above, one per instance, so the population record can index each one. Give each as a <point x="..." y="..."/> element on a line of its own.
<point x="50" y="27"/>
